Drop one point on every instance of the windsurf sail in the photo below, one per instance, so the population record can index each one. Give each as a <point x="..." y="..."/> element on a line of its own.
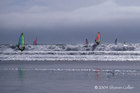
<point x="97" y="40"/>
<point x="21" y="42"/>
<point x="35" y="41"/>
<point x="86" y="42"/>
<point x="116" y="41"/>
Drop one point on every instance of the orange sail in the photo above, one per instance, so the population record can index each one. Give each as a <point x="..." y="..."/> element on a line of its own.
<point x="97" y="40"/>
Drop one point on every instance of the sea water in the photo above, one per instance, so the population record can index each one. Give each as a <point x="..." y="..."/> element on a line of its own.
<point x="70" y="69"/>
<point x="103" y="52"/>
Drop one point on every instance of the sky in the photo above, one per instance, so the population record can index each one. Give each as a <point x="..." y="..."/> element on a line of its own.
<point x="69" y="21"/>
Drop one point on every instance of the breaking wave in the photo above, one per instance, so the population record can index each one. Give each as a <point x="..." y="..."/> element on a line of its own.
<point x="103" y="52"/>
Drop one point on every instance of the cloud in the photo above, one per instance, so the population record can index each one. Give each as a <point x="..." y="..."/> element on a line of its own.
<point x="32" y="15"/>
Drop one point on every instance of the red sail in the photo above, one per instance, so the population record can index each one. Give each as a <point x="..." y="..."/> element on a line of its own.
<point x="35" y="41"/>
<point x="97" y="37"/>
<point x="86" y="42"/>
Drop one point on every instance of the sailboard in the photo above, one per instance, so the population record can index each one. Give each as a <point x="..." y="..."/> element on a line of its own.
<point x="97" y="40"/>
<point x="35" y="41"/>
<point x="21" y="42"/>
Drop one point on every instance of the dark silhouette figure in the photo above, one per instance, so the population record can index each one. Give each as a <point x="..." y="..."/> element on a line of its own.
<point x="116" y="41"/>
<point x="94" y="47"/>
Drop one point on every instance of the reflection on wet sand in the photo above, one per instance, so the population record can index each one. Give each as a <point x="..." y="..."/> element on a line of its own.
<point x="21" y="73"/>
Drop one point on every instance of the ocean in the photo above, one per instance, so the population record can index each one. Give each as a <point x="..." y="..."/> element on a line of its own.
<point x="70" y="69"/>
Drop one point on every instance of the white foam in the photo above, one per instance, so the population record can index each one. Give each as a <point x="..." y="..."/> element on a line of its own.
<point x="103" y="52"/>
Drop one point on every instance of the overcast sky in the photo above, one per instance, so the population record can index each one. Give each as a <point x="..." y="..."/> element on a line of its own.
<point x="69" y="21"/>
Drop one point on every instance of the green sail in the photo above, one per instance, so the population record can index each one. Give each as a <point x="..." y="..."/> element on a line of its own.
<point x="21" y="42"/>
